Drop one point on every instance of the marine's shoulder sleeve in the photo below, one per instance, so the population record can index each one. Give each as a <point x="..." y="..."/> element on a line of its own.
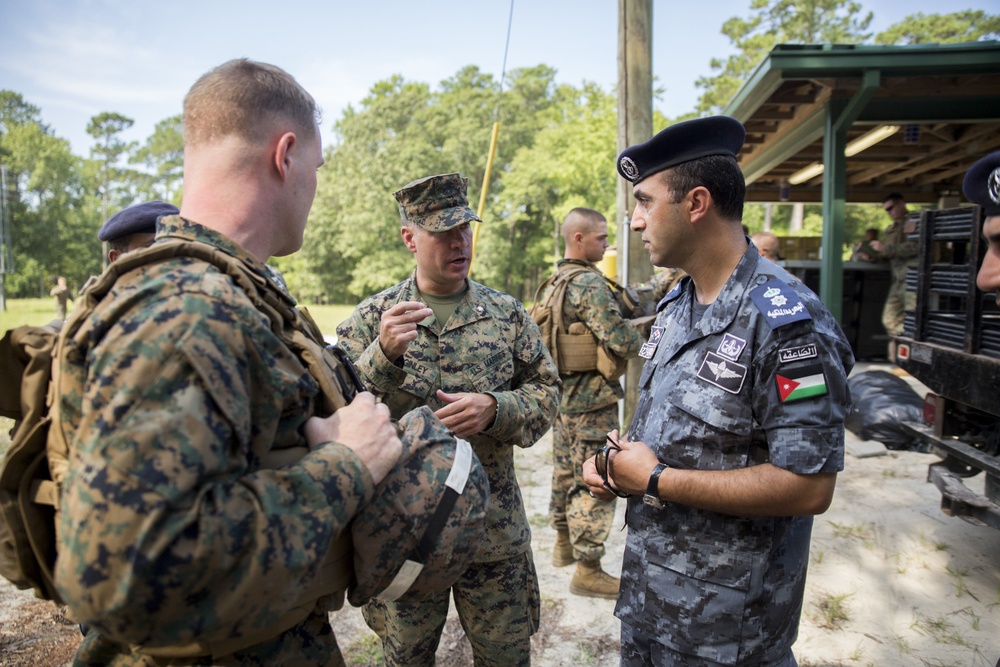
<point x="591" y="300"/>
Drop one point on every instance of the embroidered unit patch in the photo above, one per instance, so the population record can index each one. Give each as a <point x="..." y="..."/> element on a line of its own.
<point x="731" y="346"/>
<point x="796" y="353"/>
<point x="722" y="372"/>
<point x="798" y="383"/>
<point x="779" y="303"/>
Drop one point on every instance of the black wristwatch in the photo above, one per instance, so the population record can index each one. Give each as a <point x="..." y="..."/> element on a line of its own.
<point x="652" y="497"/>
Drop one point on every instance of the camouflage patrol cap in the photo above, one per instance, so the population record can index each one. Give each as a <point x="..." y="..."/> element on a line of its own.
<point x="428" y="516"/>
<point x="981" y="184"/>
<point x="435" y="203"/>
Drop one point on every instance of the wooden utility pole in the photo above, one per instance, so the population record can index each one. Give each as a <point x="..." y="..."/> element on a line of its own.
<point x="635" y="125"/>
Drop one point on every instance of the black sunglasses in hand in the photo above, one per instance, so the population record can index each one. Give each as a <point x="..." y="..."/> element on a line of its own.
<point x="602" y="461"/>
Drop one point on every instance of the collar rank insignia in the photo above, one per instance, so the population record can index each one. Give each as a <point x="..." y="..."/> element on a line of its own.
<point x="723" y="373"/>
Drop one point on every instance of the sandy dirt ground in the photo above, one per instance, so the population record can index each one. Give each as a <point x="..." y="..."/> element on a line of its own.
<point x="892" y="581"/>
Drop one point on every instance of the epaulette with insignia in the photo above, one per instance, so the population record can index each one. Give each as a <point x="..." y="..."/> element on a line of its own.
<point x="779" y="303"/>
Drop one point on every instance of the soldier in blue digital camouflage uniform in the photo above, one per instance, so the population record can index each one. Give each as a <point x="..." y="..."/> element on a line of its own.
<point x="475" y="356"/>
<point x="181" y="541"/>
<point x="981" y="186"/>
<point x="738" y="433"/>
<point x="134" y="227"/>
<point x="588" y="408"/>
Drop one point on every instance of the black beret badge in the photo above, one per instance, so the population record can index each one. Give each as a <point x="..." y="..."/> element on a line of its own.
<point x="993" y="185"/>
<point x="628" y="168"/>
<point x="981" y="184"/>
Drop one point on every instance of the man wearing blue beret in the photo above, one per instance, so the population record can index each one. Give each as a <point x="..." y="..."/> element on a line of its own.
<point x="982" y="187"/>
<point x="134" y="227"/>
<point x="738" y="433"/>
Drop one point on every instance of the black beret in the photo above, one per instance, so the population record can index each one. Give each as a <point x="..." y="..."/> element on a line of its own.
<point x="682" y="142"/>
<point x="982" y="183"/>
<point x="137" y="219"/>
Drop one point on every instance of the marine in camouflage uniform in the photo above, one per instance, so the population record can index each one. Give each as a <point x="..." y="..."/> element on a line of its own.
<point x="485" y="372"/>
<point x="902" y="255"/>
<point x="186" y="452"/>
<point x="738" y="432"/>
<point x="202" y="499"/>
<point x="588" y="408"/>
<point x="63" y="296"/>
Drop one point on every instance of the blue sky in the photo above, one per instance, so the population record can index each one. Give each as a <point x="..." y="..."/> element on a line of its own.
<point x="75" y="59"/>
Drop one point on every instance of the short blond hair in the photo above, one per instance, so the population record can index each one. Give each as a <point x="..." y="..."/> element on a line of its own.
<point x="241" y="97"/>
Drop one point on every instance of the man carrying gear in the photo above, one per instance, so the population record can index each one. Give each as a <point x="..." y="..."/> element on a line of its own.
<point x="207" y="478"/>
<point x="589" y="403"/>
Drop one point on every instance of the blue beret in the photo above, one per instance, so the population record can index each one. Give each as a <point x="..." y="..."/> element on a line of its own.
<point x="982" y="183"/>
<point x="682" y="142"/>
<point x="137" y="219"/>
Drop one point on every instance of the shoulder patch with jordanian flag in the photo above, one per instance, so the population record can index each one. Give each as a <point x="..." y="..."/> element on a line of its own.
<point x="803" y="382"/>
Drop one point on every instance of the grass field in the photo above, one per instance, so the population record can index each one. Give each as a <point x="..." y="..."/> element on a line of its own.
<point x="42" y="311"/>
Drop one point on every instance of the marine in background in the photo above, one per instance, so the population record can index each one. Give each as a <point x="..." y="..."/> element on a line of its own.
<point x="589" y="406"/>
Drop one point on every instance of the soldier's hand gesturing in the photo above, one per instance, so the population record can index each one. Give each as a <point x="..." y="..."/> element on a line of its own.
<point x="365" y="427"/>
<point x="399" y="326"/>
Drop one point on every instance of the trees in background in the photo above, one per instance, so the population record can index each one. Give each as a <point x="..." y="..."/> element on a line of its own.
<point x="967" y="26"/>
<point x="56" y="201"/>
<point x="163" y="157"/>
<point x="556" y="151"/>
<point x="46" y="198"/>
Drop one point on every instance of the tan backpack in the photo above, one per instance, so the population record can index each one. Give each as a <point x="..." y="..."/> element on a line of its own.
<point x="574" y="348"/>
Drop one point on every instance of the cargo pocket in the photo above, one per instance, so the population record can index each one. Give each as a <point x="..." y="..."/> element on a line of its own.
<point x="700" y="595"/>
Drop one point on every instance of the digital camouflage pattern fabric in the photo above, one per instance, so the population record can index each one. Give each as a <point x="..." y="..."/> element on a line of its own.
<point x="497" y="601"/>
<point x="436" y="203"/>
<point x="708" y="586"/>
<point x="176" y="397"/>
<point x="590" y="300"/>
<point x="576" y="438"/>
<point x="490" y="345"/>
<point x="400" y="527"/>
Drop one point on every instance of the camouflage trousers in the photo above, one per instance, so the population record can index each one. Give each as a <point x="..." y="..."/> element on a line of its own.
<point x="308" y="644"/>
<point x="498" y="606"/>
<point x="640" y="651"/>
<point x="576" y="438"/>
<point x="897" y="302"/>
